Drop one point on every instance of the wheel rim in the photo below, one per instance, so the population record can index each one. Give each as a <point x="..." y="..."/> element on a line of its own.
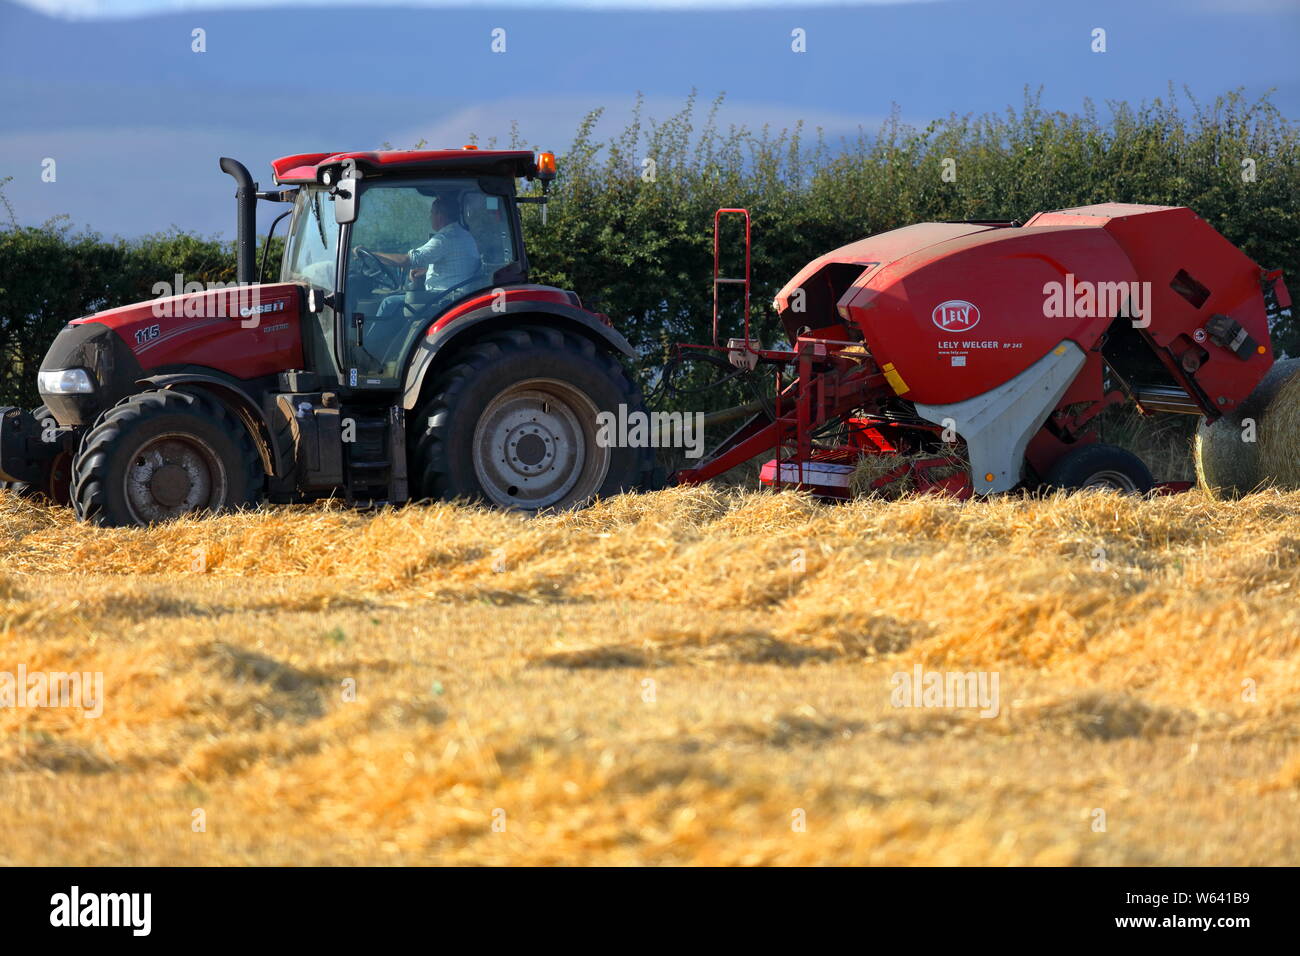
<point x="172" y="475"/>
<point x="535" y="447"/>
<point x="1115" y="480"/>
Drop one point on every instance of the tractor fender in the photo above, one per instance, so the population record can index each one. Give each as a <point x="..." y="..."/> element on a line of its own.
<point x="235" y="397"/>
<point x="442" y="341"/>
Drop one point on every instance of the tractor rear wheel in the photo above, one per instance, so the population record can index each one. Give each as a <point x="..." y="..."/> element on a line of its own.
<point x="160" y="455"/>
<point x="512" y="422"/>
<point x="1099" y="465"/>
<point x="55" y="485"/>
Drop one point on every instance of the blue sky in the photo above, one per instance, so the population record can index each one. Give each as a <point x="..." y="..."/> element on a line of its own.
<point x="136" y="120"/>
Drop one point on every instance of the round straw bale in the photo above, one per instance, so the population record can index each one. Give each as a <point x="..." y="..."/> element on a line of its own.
<point x="1224" y="463"/>
<point x="1279" y="430"/>
<point x="1233" y="457"/>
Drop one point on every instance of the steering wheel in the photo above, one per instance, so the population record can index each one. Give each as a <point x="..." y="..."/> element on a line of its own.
<point x="376" y="267"/>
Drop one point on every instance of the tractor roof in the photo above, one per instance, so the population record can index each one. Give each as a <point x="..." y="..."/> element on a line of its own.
<point x="512" y="162"/>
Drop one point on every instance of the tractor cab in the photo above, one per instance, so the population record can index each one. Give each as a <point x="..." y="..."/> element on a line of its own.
<point x="388" y="242"/>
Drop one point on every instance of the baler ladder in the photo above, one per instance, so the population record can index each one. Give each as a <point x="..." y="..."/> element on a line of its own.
<point x="794" y="426"/>
<point x="719" y="280"/>
<point x="830" y="378"/>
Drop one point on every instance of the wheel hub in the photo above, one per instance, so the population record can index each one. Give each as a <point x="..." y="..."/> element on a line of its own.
<point x="171" y="475"/>
<point x="534" y="447"/>
<point x="1116" y="480"/>
<point x="170" y="485"/>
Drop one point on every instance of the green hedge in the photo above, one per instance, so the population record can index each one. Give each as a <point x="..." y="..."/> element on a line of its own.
<point x="642" y="251"/>
<point x="50" y="274"/>
<point x="636" y="242"/>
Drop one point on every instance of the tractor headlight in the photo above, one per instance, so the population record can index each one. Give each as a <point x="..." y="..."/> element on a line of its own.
<point x="65" y="381"/>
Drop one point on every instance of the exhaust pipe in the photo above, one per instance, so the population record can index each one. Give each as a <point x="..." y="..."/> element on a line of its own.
<point x="245" y="218"/>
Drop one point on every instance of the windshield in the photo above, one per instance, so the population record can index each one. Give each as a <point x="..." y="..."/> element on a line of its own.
<point x="313" y="240"/>
<point x="419" y="246"/>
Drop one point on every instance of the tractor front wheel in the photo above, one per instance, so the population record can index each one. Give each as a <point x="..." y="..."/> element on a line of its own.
<point x="512" y="422"/>
<point x="161" y="455"/>
<point x="1099" y="465"/>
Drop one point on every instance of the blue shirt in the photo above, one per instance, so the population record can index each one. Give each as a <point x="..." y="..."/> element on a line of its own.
<point x="449" y="257"/>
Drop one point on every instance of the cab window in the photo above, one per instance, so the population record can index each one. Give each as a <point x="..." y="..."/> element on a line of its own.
<point x="312" y="252"/>
<point x="416" y="249"/>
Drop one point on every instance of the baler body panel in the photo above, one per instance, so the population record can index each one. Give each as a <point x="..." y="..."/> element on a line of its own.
<point x="960" y="308"/>
<point x="826" y="282"/>
<point x="885" y="248"/>
<point x="1020" y="335"/>
<point x="1166" y="242"/>
<point x="964" y="316"/>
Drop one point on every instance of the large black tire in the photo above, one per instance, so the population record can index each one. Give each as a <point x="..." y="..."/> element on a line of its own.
<point x="1099" y="465"/>
<point x="160" y="455"/>
<point x="55" y="486"/>
<point x="512" y="422"/>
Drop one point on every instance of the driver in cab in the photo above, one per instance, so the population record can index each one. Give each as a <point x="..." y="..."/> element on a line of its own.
<point x="449" y="258"/>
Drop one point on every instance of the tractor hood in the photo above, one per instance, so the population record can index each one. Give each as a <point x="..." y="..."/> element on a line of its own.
<point x="240" y="332"/>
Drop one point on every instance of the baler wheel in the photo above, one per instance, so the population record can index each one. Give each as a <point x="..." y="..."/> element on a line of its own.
<point x="161" y="455"/>
<point x="1099" y="465"/>
<point x="512" y="422"/>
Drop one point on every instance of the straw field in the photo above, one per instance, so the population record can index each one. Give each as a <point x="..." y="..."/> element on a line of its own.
<point x="696" y="676"/>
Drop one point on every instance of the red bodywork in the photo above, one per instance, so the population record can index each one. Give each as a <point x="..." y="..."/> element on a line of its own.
<point x="303" y="168"/>
<point x="1004" y="270"/>
<point x="504" y="296"/>
<point x="938" y="313"/>
<point x="246" y="332"/>
<point x="215" y="329"/>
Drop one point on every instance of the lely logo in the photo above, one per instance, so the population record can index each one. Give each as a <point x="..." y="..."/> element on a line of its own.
<point x="956" y="315"/>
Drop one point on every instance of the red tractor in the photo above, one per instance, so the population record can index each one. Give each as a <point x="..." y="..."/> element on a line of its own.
<point x="403" y="354"/>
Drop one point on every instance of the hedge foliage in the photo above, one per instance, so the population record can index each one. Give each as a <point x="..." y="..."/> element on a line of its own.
<point x="642" y="251"/>
<point x="50" y="274"/>
<point x="629" y="226"/>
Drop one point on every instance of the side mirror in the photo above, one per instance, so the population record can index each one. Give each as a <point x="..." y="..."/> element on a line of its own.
<point x="345" y="201"/>
<point x="345" y="192"/>
<point x="318" y="300"/>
